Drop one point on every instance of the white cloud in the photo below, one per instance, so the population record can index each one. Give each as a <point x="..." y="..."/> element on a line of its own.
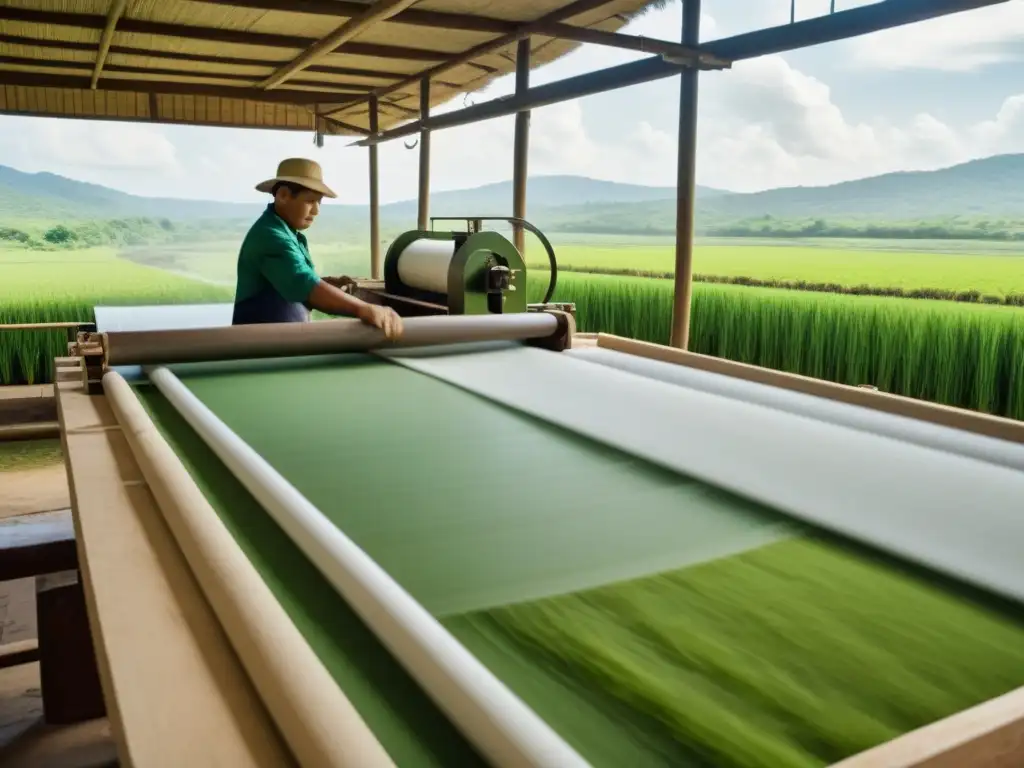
<point x="119" y="147"/>
<point x="763" y="124"/>
<point x="769" y="125"/>
<point x="961" y="42"/>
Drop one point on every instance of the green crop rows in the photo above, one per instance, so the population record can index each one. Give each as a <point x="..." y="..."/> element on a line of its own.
<point x="968" y="355"/>
<point x="43" y="287"/>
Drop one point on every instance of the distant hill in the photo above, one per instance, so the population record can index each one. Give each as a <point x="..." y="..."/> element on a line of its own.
<point x="47" y="195"/>
<point x="989" y="187"/>
<point x="543" y="192"/>
<point x="982" y="188"/>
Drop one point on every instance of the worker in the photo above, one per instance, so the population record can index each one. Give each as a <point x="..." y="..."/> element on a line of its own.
<point x="277" y="282"/>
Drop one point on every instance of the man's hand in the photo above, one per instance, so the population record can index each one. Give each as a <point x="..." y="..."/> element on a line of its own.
<point x="384" y="318"/>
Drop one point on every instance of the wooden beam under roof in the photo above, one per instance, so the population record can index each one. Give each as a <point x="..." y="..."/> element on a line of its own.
<point x="372" y="14"/>
<point x="461" y="22"/>
<point x="45" y="64"/>
<point x="116" y="11"/>
<point x="211" y="34"/>
<point x="199" y="58"/>
<point x="297" y="98"/>
<point x="522" y="31"/>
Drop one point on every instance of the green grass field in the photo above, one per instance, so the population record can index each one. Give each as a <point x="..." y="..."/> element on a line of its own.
<point x="996" y="275"/>
<point x="968" y="355"/>
<point x="29" y="454"/>
<point x="64" y="286"/>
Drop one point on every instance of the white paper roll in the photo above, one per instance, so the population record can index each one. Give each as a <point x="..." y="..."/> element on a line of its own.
<point x="424" y="264"/>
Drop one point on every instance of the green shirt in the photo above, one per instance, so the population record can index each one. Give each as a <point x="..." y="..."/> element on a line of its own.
<point x="273" y="255"/>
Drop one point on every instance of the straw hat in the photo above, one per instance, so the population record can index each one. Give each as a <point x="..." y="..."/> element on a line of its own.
<point x="298" y="170"/>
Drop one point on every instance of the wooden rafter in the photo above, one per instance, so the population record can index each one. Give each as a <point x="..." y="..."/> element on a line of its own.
<point x="23" y="61"/>
<point x="117" y="8"/>
<point x="522" y="31"/>
<point x="462" y="22"/>
<point x="376" y="12"/>
<point x="198" y="58"/>
<point x="211" y="34"/>
<point x="669" y="50"/>
<point x="297" y="98"/>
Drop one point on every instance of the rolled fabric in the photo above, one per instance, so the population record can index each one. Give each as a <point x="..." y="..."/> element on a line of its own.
<point x="327" y="337"/>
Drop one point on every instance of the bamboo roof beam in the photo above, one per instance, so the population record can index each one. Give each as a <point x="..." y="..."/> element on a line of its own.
<point x="197" y="76"/>
<point x="212" y="34"/>
<point x="126" y="50"/>
<point x="374" y="13"/>
<point x="116" y="10"/>
<point x="462" y="22"/>
<point x="521" y="32"/>
<point x="303" y="98"/>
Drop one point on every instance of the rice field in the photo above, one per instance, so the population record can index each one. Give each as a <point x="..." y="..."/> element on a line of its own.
<point x="967" y="355"/>
<point x="987" y="273"/>
<point x="38" y="287"/>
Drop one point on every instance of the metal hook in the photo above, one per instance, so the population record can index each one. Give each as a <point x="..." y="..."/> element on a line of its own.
<point x="411" y="146"/>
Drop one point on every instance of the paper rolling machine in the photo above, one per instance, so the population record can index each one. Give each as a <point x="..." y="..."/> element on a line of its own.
<point x="471" y="271"/>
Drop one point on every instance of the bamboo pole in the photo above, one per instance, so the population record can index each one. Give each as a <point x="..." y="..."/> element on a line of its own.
<point x="320" y="725"/>
<point x="375" y="265"/>
<point x="423" y="197"/>
<point x="520" y="163"/>
<point x="686" y="183"/>
<point x="498" y="723"/>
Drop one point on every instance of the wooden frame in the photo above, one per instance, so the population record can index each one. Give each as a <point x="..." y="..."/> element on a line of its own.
<point x="175" y="691"/>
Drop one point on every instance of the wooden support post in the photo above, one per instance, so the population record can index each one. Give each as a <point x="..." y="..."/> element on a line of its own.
<point x="69" y="677"/>
<point x="522" y="145"/>
<point x="375" y="267"/>
<point x="686" y="186"/>
<point x="422" y="220"/>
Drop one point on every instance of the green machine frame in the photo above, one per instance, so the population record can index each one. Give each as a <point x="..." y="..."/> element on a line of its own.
<point x="487" y="274"/>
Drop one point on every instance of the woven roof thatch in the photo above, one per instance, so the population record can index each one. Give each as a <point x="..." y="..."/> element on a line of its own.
<point x="206" y="62"/>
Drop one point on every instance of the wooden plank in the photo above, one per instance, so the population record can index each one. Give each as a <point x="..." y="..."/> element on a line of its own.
<point x="41" y="326"/>
<point x="33" y="545"/>
<point x="30" y="410"/>
<point x="37" y="430"/>
<point x="175" y="691"/>
<point x="990" y="735"/>
<point x="26" y="391"/>
<point x="945" y="415"/>
<point x="68" y="677"/>
<point x="17" y="653"/>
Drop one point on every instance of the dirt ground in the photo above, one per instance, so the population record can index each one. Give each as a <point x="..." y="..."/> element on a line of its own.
<point x="40" y="489"/>
<point x="25" y="740"/>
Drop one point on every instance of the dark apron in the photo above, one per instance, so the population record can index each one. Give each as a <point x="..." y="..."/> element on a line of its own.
<point x="269" y="306"/>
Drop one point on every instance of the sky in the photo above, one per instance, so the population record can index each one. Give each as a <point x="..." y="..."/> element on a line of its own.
<point x="921" y="97"/>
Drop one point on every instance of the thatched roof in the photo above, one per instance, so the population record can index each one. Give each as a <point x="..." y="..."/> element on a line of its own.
<point x="213" y="62"/>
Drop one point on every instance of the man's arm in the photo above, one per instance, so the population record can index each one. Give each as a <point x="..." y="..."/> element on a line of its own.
<point x="334" y="301"/>
<point x="286" y="268"/>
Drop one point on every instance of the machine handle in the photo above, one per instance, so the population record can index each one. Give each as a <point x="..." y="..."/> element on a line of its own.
<point x="515" y="221"/>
